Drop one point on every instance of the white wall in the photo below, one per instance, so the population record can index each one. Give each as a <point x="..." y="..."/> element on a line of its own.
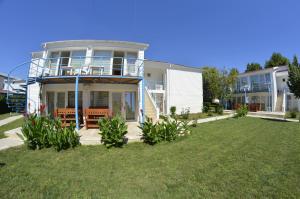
<point x="184" y="90"/>
<point x="33" y="98"/>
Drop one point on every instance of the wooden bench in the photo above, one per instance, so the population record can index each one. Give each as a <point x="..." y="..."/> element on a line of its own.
<point x="67" y="115"/>
<point x="92" y="115"/>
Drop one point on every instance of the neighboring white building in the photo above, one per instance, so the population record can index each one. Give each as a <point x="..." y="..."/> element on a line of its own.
<point x="110" y="74"/>
<point x="265" y="90"/>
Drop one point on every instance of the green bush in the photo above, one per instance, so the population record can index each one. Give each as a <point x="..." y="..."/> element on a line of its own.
<point x="206" y="107"/>
<point x="219" y="109"/>
<point x="293" y="114"/>
<point x="242" y="111"/>
<point x="151" y="132"/>
<point x="63" y="138"/>
<point x="173" y="111"/>
<point x="112" y="131"/>
<point x="43" y="132"/>
<point x="185" y="113"/>
<point x="168" y="130"/>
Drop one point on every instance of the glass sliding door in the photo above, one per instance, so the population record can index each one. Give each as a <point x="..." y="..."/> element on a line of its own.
<point x="117" y="103"/>
<point x="100" y="64"/>
<point x="71" y="99"/>
<point x="60" y="100"/>
<point x="50" y="103"/>
<point x="130" y="105"/>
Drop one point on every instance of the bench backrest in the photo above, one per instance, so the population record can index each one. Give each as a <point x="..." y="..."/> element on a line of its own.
<point x="96" y="112"/>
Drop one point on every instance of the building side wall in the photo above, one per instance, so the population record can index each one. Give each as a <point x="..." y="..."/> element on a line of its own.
<point x="184" y="90"/>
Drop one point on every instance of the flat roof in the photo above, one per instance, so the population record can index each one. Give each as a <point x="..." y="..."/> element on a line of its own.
<point x="143" y="46"/>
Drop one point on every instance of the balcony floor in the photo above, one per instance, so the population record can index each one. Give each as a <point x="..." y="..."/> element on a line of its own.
<point x="91" y="79"/>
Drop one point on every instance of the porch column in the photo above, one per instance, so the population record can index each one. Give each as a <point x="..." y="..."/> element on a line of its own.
<point x="76" y="102"/>
<point x="143" y="100"/>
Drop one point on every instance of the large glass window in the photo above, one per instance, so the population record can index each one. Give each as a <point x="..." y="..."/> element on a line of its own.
<point x="78" y="58"/>
<point x="99" y="99"/>
<point x="60" y="100"/>
<point x="131" y="63"/>
<point x="71" y="99"/>
<point x="101" y="60"/>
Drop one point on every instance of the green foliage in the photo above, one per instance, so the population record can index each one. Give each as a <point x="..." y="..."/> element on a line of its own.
<point x="112" y="131"/>
<point x="219" y="109"/>
<point x="206" y="107"/>
<point x="168" y="130"/>
<point x="277" y="60"/>
<point x="253" y="67"/>
<point x="42" y="132"/>
<point x="151" y="132"/>
<point x="173" y="111"/>
<point x="63" y="138"/>
<point x="4" y="108"/>
<point x="211" y="84"/>
<point x="294" y="78"/>
<point x="185" y="113"/>
<point x="242" y="111"/>
<point x="35" y="130"/>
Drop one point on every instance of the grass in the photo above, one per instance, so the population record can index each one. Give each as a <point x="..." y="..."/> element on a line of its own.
<point x="7" y="115"/>
<point x="12" y="125"/>
<point x="232" y="158"/>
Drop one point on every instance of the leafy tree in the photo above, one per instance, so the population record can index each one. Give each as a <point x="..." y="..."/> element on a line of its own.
<point x="211" y="84"/>
<point x="228" y="79"/>
<point x="277" y="60"/>
<point x="294" y="77"/>
<point x="253" y="67"/>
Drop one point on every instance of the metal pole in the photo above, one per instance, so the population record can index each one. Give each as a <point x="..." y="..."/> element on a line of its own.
<point x="76" y="102"/>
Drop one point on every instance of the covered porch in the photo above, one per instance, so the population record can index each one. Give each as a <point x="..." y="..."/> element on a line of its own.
<point x="84" y="100"/>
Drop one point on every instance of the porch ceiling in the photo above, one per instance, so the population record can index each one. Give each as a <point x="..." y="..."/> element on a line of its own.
<point x="108" y="80"/>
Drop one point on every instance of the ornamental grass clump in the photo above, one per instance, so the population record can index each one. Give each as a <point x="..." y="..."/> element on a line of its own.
<point x="112" y="131"/>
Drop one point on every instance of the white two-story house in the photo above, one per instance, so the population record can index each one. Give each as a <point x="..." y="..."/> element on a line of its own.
<point x="110" y="75"/>
<point x="265" y="90"/>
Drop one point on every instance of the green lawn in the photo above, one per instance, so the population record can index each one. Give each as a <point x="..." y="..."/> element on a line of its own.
<point x="7" y="115"/>
<point x="233" y="158"/>
<point x="12" y="125"/>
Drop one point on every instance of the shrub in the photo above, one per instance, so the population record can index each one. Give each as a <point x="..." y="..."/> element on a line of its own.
<point x="151" y="132"/>
<point x="185" y="113"/>
<point x="63" y="138"/>
<point x="206" y="107"/>
<point x="113" y="131"/>
<point x="219" y="109"/>
<point x="168" y="130"/>
<point x="173" y="111"/>
<point x="293" y="114"/>
<point x="242" y="111"/>
<point x="36" y="132"/>
<point x="41" y="131"/>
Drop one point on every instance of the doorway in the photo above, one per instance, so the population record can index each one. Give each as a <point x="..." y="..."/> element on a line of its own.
<point x="130" y="105"/>
<point x="118" y="63"/>
<point x="50" y="103"/>
<point x="117" y="103"/>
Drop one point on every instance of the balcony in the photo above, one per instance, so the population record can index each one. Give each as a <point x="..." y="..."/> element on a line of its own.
<point x="154" y="85"/>
<point x="87" y="67"/>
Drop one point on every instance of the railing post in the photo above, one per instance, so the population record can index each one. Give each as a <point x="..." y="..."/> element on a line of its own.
<point x="76" y="102"/>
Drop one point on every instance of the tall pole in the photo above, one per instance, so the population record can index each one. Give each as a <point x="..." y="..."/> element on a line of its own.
<point x="76" y="102"/>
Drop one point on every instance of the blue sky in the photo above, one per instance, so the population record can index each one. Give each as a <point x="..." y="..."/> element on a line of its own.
<point x="222" y="33"/>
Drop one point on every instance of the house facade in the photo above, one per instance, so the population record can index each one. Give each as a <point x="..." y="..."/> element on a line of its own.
<point x="110" y="75"/>
<point x="265" y="90"/>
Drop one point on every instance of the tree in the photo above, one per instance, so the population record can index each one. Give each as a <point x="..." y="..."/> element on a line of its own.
<point x="294" y="77"/>
<point x="253" y="67"/>
<point x="277" y="60"/>
<point x="211" y="84"/>
<point x="228" y="80"/>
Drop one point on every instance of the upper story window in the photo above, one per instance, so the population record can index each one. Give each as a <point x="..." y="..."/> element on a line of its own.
<point x="78" y="58"/>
